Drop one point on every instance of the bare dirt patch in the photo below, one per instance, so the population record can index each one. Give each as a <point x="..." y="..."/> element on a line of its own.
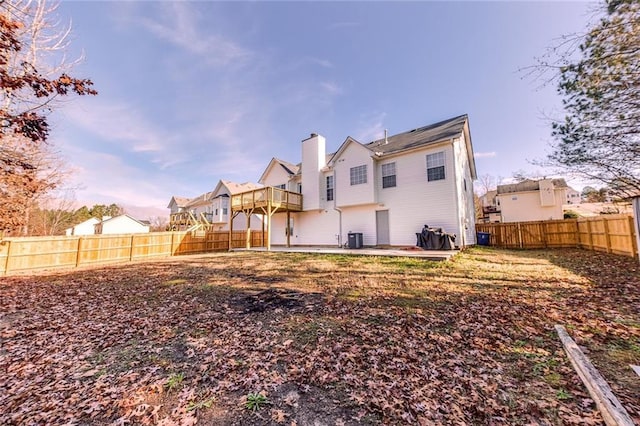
<point x="272" y="338"/>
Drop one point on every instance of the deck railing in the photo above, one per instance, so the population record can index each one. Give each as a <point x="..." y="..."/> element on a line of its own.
<point x="262" y="197"/>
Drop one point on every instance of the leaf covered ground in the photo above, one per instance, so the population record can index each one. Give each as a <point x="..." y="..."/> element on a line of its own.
<point x="295" y="339"/>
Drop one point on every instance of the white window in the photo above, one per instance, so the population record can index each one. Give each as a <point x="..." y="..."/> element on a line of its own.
<point x="435" y="166"/>
<point x="389" y="175"/>
<point x="358" y="174"/>
<point x="281" y="186"/>
<point x="329" y="188"/>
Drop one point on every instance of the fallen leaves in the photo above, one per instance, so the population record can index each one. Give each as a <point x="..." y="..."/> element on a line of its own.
<point x="468" y="341"/>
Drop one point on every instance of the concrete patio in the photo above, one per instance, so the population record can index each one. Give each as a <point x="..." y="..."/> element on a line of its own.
<point x="388" y="252"/>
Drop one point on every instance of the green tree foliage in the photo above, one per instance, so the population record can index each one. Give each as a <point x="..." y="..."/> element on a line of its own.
<point x="600" y="136"/>
<point x="593" y="195"/>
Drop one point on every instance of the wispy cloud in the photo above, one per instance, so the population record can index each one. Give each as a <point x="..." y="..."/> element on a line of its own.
<point x="371" y="127"/>
<point x="124" y="183"/>
<point x="325" y="63"/>
<point x="126" y="126"/>
<point x="485" y="154"/>
<point x="331" y="88"/>
<point x="180" y="26"/>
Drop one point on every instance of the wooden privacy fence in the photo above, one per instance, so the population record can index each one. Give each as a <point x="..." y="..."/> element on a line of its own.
<point x="612" y="234"/>
<point x="33" y="253"/>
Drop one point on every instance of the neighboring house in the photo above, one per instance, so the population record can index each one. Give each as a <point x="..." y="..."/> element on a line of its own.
<point x="84" y="228"/>
<point x="123" y="224"/>
<point x="490" y="208"/>
<point x="212" y="208"/>
<point x="387" y="189"/>
<point x="219" y="217"/>
<point x="177" y="204"/>
<point x="532" y="200"/>
<point x="572" y="196"/>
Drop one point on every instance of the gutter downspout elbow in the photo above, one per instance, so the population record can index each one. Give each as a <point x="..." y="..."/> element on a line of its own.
<point x="339" y="223"/>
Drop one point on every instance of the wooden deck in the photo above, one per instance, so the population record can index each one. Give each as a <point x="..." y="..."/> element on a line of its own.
<point x="186" y="220"/>
<point x="267" y="199"/>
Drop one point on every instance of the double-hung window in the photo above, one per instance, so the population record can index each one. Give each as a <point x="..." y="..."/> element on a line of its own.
<point x="389" y="175"/>
<point x="329" y="188"/>
<point x="435" y="166"/>
<point x="358" y="175"/>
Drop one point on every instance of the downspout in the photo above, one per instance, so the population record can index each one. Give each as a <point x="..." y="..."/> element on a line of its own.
<point x="458" y="192"/>
<point x="339" y="223"/>
<point x="339" y="213"/>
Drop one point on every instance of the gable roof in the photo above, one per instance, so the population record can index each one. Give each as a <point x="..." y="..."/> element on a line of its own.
<point x="422" y="136"/>
<point x="234" y="187"/>
<point x="348" y="141"/>
<point x="202" y="198"/>
<point x="90" y="221"/>
<point x="290" y="168"/>
<point x="529" y="185"/>
<point x="123" y="215"/>
<point x="433" y="133"/>
<point x="179" y="201"/>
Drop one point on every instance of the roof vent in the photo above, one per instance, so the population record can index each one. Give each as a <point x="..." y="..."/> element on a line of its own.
<point x="313" y="135"/>
<point x="386" y="141"/>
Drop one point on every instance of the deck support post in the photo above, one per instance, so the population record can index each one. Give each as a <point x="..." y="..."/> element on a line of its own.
<point x="288" y="228"/>
<point x="269" y="196"/>
<point x="230" y="227"/>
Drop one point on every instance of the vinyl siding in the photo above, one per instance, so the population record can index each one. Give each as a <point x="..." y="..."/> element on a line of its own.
<point x="277" y="175"/>
<point x="526" y="207"/>
<point x="123" y="225"/>
<point x="466" y="210"/>
<point x="318" y="227"/>
<point x="415" y="202"/>
<point x="349" y="195"/>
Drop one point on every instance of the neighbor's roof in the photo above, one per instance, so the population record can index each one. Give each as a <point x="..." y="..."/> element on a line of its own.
<point x="236" y="188"/>
<point x="432" y="133"/>
<point x="529" y="185"/>
<point x="180" y="201"/>
<point x="123" y="215"/>
<point x="202" y="198"/>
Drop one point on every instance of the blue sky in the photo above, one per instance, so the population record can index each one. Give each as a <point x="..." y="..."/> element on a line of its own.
<point x="194" y="92"/>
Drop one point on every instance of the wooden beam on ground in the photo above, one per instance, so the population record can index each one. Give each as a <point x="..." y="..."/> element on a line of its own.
<point x="613" y="412"/>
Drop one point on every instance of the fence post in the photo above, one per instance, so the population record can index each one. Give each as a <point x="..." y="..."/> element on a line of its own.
<point x="173" y="233"/>
<point x="6" y="264"/>
<point x="78" y="251"/>
<point x="590" y="233"/>
<point x="131" y="248"/>
<point x="632" y="236"/>
<point x="520" y="235"/>
<point x="607" y="237"/>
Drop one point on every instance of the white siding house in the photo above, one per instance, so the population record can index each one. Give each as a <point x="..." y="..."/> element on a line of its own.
<point x="387" y="189"/>
<point x="123" y="224"/>
<point x="532" y="200"/>
<point x="177" y="204"/>
<point x="85" y="228"/>
<point x="214" y="205"/>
